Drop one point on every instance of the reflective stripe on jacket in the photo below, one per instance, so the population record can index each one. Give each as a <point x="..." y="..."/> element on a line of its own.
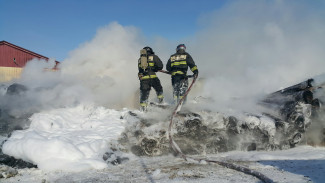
<point x="179" y="62"/>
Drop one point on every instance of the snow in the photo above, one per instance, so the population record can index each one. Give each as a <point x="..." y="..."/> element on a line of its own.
<point x="67" y="145"/>
<point x="298" y="153"/>
<point x="273" y="164"/>
<point x="72" y="139"/>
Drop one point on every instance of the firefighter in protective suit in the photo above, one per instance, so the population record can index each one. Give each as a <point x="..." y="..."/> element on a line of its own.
<point x="177" y="65"/>
<point x="148" y="65"/>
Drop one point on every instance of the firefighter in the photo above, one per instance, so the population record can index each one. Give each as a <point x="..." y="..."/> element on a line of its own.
<point x="148" y="65"/>
<point x="177" y="65"/>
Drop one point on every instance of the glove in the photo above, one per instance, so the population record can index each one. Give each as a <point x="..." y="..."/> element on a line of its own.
<point x="140" y="76"/>
<point x="196" y="74"/>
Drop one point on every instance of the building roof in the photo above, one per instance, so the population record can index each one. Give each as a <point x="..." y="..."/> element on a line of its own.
<point x="22" y="49"/>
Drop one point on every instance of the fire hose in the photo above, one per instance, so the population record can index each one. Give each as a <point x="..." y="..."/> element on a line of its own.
<point x="178" y="151"/>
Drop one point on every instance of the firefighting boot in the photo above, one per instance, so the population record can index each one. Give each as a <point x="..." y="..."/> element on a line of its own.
<point x="143" y="108"/>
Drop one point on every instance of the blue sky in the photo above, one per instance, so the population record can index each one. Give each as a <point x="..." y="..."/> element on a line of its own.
<point x="53" y="28"/>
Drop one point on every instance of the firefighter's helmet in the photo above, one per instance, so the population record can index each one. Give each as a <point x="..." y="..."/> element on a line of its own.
<point x="181" y="47"/>
<point x="149" y="50"/>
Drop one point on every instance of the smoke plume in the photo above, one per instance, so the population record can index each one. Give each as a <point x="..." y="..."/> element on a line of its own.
<point x="243" y="50"/>
<point x="250" y="48"/>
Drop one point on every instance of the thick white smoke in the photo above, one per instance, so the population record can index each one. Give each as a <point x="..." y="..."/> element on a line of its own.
<point x="249" y="48"/>
<point x="107" y="65"/>
<point x="101" y="71"/>
<point x="245" y="49"/>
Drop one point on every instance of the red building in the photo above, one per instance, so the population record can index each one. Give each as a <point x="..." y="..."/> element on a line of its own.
<point x="13" y="58"/>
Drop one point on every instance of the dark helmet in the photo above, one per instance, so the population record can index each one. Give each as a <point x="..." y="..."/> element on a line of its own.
<point x="181" y="47"/>
<point x="149" y="50"/>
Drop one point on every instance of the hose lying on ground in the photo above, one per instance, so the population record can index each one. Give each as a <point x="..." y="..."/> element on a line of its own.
<point x="178" y="151"/>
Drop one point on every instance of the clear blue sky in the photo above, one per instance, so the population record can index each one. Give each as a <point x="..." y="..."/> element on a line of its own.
<point x="54" y="27"/>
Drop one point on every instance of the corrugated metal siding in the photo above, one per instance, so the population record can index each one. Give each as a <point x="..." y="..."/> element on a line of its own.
<point x="13" y="58"/>
<point x="9" y="73"/>
<point x="9" y="55"/>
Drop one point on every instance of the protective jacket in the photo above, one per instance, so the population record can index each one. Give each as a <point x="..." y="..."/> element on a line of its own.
<point x="154" y="65"/>
<point x="148" y="79"/>
<point x="179" y="62"/>
<point x="177" y="65"/>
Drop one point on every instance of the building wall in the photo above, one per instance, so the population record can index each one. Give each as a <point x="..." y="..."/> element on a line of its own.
<point x="13" y="56"/>
<point x="9" y="73"/>
<point x="12" y="60"/>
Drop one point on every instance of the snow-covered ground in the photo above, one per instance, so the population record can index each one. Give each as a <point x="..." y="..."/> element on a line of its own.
<point x="301" y="164"/>
<point x="68" y="145"/>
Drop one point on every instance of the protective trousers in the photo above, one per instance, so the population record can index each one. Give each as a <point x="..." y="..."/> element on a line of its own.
<point x="145" y="87"/>
<point x="180" y="85"/>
